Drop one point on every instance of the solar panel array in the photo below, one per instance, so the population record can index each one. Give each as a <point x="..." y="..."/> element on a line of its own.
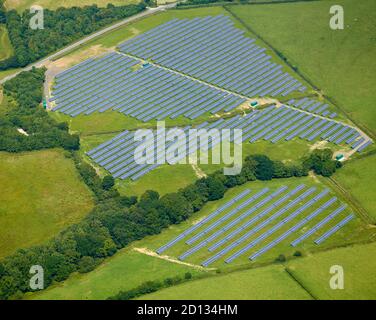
<point x="214" y="50"/>
<point x="205" y="220"/>
<point x="293" y="229"/>
<point x="312" y="106"/>
<point x="318" y="225"/>
<point x="121" y="83"/>
<point x="256" y="218"/>
<point x="272" y="124"/>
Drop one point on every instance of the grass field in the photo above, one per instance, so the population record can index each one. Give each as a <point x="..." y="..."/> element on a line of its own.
<point x="112" y="121"/>
<point x="359" y="277"/>
<point x="40" y="195"/>
<point x="5" y="45"/>
<point x="340" y="62"/>
<point x="21" y="5"/>
<point x="273" y="282"/>
<point x="165" y="179"/>
<point x="125" y="271"/>
<point x="358" y="177"/>
<point x="255" y="284"/>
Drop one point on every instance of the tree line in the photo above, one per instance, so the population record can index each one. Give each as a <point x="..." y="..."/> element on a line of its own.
<point x="2" y="12"/>
<point x="25" y="112"/>
<point x="61" y="27"/>
<point x="151" y="286"/>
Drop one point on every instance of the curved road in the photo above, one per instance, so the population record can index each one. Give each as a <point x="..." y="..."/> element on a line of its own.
<point x="40" y="63"/>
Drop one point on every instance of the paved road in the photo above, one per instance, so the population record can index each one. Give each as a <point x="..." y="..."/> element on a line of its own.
<point x="79" y="43"/>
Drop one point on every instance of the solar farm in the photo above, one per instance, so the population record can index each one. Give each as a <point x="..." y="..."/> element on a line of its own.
<point x="254" y="222"/>
<point x="167" y="73"/>
<point x="225" y="151"/>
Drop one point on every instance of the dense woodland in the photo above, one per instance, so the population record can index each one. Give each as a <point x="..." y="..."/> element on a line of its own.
<point x="2" y="12"/>
<point x="61" y="27"/>
<point x="25" y="112"/>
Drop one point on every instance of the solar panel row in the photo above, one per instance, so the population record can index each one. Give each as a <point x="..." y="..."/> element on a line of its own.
<point x="204" y="221"/>
<point x="245" y="226"/>
<point x="310" y="105"/>
<point x="266" y="222"/>
<point x="333" y="230"/>
<point x="220" y="221"/>
<point x="293" y="229"/>
<point x="227" y="216"/>
<point x="318" y="225"/>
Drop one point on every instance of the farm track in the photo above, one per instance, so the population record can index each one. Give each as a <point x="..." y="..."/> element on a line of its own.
<point x="167" y="258"/>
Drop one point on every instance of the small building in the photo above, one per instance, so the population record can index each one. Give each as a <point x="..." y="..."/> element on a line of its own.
<point x="340" y="157"/>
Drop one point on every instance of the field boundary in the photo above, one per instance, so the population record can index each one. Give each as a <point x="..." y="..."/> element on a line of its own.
<point x="357" y="206"/>
<point x="296" y="280"/>
<point x="303" y="76"/>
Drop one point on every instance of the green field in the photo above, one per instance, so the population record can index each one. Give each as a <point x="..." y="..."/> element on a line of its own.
<point x="273" y="282"/>
<point x="339" y="62"/>
<point x="5" y="45"/>
<point x="40" y="195"/>
<point x="165" y="179"/>
<point x="359" y="272"/>
<point x="358" y="177"/>
<point x="21" y="5"/>
<point x="125" y="271"/>
<point x="112" y="121"/>
<point x="255" y="284"/>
